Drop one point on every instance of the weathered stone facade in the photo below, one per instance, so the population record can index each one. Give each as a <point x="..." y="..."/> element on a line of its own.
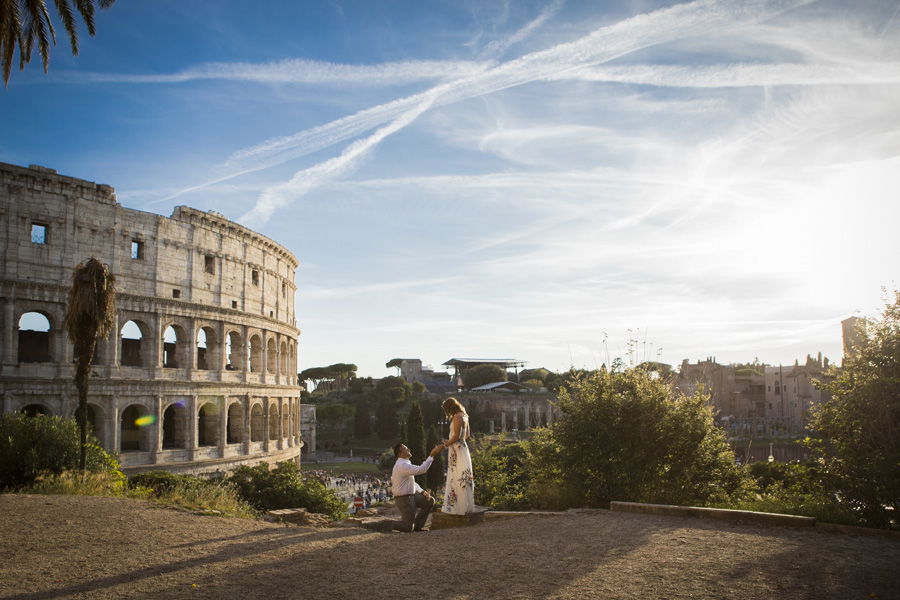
<point x="200" y="373"/>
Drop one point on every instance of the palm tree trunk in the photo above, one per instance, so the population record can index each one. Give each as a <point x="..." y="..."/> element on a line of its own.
<point x="82" y="373"/>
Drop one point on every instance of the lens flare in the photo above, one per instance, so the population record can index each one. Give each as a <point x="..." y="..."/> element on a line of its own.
<point x="145" y="420"/>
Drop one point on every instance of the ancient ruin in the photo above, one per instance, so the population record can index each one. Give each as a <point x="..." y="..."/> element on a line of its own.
<point x="200" y="375"/>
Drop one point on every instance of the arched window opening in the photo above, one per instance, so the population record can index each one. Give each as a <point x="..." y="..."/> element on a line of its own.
<point x="255" y="362"/>
<point x="133" y="428"/>
<point x="175" y="426"/>
<point x="271" y="356"/>
<point x="170" y="348"/>
<point x="273" y="422"/>
<point x="207" y="349"/>
<point x="34" y="338"/>
<point x="207" y="425"/>
<point x="201" y="351"/>
<point x="286" y="424"/>
<point x="233" y="350"/>
<point x="257" y="423"/>
<point x="131" y="355"/>
<point x="284" y="359"/>
<point x="33" y="410"/>
<point x="235" y="423"/>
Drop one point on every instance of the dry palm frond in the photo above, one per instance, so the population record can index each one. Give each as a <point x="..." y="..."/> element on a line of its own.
<point x="91" y="312"/>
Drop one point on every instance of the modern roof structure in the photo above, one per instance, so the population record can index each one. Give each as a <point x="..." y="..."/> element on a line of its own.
<point x="471" y="362"/>
<point x="500" y="386"/>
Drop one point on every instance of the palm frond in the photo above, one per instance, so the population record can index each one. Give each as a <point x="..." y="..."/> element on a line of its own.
<point x="68" y="18"/>
<point x="10" y="29"/>
<point x="86" y="8"/>
<point x="37" y="25"/>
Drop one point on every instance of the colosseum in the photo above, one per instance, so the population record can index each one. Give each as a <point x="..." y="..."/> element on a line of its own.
<point x="199" y="375"/>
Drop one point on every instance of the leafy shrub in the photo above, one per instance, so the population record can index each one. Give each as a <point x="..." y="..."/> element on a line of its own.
<point x="502" y="481"/>
<point x="36" y="446"/>
<point x="628" y="436"/>
<point x="284" y="487"/>
<point x="795" y="489"/>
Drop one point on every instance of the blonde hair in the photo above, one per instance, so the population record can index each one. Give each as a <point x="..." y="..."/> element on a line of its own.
<point x="452" y="406"/>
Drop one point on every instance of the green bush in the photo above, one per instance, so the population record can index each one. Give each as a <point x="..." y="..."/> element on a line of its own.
<point x="795" y="489"/>
<point x="285" y="487"/>
<point x="502" y="481"/>
<point x="31" y="447"/>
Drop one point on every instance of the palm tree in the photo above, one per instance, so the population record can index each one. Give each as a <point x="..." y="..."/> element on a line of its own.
<point x="24" y="21"/>
<point x="90" y="315"/>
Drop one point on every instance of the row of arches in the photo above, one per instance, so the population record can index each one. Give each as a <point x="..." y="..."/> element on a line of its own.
<point x="139" y="431"/>
<point x="180" y="349"/>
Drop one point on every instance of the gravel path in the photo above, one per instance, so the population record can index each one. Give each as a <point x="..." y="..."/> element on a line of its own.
<point x="85" y="547"/>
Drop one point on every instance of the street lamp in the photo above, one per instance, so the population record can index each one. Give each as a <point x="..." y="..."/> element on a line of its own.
<point x="771" y="456"/>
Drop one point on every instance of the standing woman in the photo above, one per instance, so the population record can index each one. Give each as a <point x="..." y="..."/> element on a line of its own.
<point x="459" y="492"/>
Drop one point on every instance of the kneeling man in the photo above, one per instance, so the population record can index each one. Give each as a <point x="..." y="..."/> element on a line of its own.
<point x="408" y="495"/>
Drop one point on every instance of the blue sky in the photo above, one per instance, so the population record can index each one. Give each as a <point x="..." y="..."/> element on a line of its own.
<point x="537" y="180"/>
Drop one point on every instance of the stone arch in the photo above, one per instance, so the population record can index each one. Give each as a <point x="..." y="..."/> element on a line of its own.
<point x="274" y="421"/>
<point x="35" y="334"/>
<point x="284" y="358"/>
<point x="175" y="345"/>
<point x="235" y="426"/>
<point x="255" y="357"/>
<point x="208" y="349"/>
<point x="134" y="348"/>
<point x="286" y="421"/>
<point x="208" y="424"/>
<point x="271" y="356"/>
<point x="234" y="351"/>
<point x="34" y="409"/>
<point x="134" y="434"/>
<point x="175" y="426"/>
<point x="94" y="420"/>
<point x="257" y="423"/>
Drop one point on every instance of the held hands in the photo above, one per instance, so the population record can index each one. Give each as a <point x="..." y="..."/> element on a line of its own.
<point x="436" y="450"/>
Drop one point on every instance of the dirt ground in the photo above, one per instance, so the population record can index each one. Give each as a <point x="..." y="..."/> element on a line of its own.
<point x="83" y="547"/>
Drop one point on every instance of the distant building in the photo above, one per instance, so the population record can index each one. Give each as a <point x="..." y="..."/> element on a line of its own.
<point x="790" y="391"/>
<point x="411" y="370"/>
<point x="852" y="329"/>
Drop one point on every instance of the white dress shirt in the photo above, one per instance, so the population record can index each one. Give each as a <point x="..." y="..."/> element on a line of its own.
<point x="403" y="482"/>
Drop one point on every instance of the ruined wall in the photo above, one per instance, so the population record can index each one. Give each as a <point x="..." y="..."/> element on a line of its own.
<point x="200" y="404"/>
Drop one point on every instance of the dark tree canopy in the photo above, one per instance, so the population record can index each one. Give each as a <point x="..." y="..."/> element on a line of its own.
<point x="482" y="374"/>
<point x="26" y="22"/>
<point x="856" y="433"/>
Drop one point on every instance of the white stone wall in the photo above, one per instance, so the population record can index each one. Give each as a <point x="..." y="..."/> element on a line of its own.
<point x="169" y="284"/>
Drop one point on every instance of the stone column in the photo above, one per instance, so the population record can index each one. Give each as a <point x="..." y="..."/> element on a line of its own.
<point x="114" y="421"/>
<point x="267" y="407"/>
<point x="245" y="437"/>
<point x="156" y="431"/>
<point x="245" y="356"/>
<point x="503" y="421"/>
<point x="191" y="353"/>
<point x="10" y="332"/>
<point x="193" y="423"/>
<point x="223" y="424"/>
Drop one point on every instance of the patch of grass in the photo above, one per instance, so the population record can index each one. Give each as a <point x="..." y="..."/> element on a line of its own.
<point x="71" y="483"/>
<point x="179" y="491"/>
<point x="197" y="495"/>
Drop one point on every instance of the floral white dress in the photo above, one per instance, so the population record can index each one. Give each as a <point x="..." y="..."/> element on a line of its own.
<point x="459" y="491"/>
